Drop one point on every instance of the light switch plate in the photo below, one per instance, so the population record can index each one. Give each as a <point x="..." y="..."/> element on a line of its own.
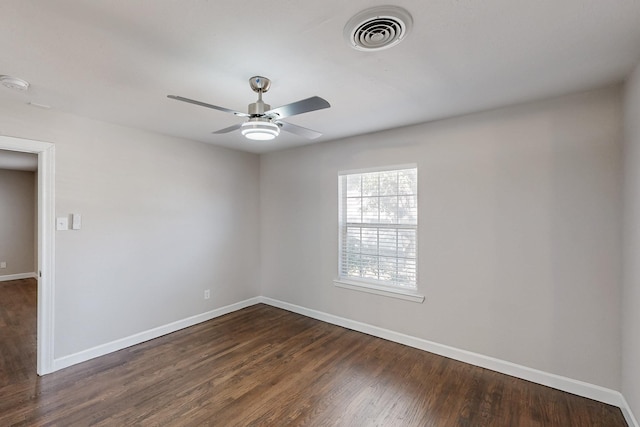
<point x="62" y="223"/>
<point x="76" y="221"/>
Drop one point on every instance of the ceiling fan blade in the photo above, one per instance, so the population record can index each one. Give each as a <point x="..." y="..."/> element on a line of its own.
<point x="204" y="104"/>
<point x="229" y="129"/>
<point x="299" y="130"/>
<point x="304" y="106"/>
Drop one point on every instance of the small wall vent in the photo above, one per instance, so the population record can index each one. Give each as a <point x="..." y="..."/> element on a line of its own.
<point x="378" y="28"/>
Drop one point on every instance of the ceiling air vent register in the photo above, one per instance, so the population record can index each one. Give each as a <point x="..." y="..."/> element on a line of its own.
<point x="378" y="28"/>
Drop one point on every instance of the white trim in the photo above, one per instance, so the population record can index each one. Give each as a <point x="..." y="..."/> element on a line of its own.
<point x="344" y="225"/>
<point x="379" y="290"/>
<point x="46" y="243"/>
<point x="110" y="347"/>
<point x="46" y="259"/>
<point x="628" y="415"/>
<point x="569" y="385"/>
<point x="17" y="276"/>
<point x="379" y="169"/>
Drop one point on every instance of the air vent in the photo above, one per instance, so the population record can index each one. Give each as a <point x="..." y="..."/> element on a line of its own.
<point x="378" y="28"/>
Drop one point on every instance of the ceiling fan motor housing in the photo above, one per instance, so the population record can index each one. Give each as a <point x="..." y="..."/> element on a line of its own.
<point x="258" y="108"/>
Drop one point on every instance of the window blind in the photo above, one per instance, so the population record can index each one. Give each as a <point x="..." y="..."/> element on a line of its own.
<point x="378" y="219"/>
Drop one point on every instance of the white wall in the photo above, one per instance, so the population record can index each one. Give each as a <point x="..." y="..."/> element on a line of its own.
<point x="17" y="221"/>
<point x="519" y="232"/>
<point x="631" y="288"/>
<point x="163" y="219"/>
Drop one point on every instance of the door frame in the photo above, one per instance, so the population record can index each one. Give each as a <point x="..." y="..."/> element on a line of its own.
<point x="46" y="244"/>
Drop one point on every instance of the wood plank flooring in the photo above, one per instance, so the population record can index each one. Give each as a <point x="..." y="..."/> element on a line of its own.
<point x="263" y="366"/>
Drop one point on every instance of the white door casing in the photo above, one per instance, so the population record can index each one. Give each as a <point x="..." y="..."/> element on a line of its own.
<point x="46" y="243"/>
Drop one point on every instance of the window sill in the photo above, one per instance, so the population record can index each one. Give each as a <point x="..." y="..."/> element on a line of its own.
<point x="406" y="295"/>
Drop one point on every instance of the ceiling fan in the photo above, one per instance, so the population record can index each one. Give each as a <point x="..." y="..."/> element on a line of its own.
<point x="263" y="122"/>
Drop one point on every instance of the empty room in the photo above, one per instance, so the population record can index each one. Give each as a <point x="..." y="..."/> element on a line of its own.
<point x="411" y="213"/>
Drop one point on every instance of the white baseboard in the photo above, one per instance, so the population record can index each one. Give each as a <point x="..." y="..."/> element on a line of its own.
<point x="18" y="276"/>
<point x="569" y="385"/>
<point x="628" y="415"/>
<point x="110" y="347"/>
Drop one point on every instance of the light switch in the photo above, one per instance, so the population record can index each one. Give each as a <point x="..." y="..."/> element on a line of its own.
<point x="76" y="221"/>
<point x="62" y="223"/>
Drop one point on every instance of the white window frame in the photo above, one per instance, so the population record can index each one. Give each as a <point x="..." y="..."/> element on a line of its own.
<point x="362" y="284"/>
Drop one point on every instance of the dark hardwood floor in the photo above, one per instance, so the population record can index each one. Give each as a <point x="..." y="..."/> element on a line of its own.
<point x="262" y="366"/>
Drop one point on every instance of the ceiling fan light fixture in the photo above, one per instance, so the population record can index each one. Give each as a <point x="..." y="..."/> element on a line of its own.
<point x="259" y="130"/>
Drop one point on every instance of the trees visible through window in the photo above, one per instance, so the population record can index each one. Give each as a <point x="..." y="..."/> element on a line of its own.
<point x="378" y="219"/>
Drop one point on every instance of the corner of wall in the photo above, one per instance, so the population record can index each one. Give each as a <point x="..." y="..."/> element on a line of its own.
<point x="630" y="304"/>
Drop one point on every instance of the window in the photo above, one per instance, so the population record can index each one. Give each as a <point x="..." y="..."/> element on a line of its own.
<point x="378" y="221"/>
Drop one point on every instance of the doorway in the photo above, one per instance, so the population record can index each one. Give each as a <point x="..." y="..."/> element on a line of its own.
<point x="45" y="244"/>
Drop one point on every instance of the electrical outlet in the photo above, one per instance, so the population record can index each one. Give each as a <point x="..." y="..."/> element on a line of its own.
<point x="207" y="294"/>
<point x="3" y="264"/>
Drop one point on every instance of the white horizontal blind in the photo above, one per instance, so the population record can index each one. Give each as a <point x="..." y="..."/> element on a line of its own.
<point x="378" y="219"/>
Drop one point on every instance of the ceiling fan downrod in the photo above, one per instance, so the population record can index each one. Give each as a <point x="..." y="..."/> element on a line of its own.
<point x="259" y="85"/>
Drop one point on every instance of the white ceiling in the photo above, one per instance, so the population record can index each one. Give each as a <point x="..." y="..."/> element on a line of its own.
<point x="116" y="60"/>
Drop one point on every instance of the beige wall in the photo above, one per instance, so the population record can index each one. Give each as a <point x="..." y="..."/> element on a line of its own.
<point x="519" y="232"/>
<point x="17" y="221"/>
<point x="631" y="289"/>
<point x="163" y="219"/>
